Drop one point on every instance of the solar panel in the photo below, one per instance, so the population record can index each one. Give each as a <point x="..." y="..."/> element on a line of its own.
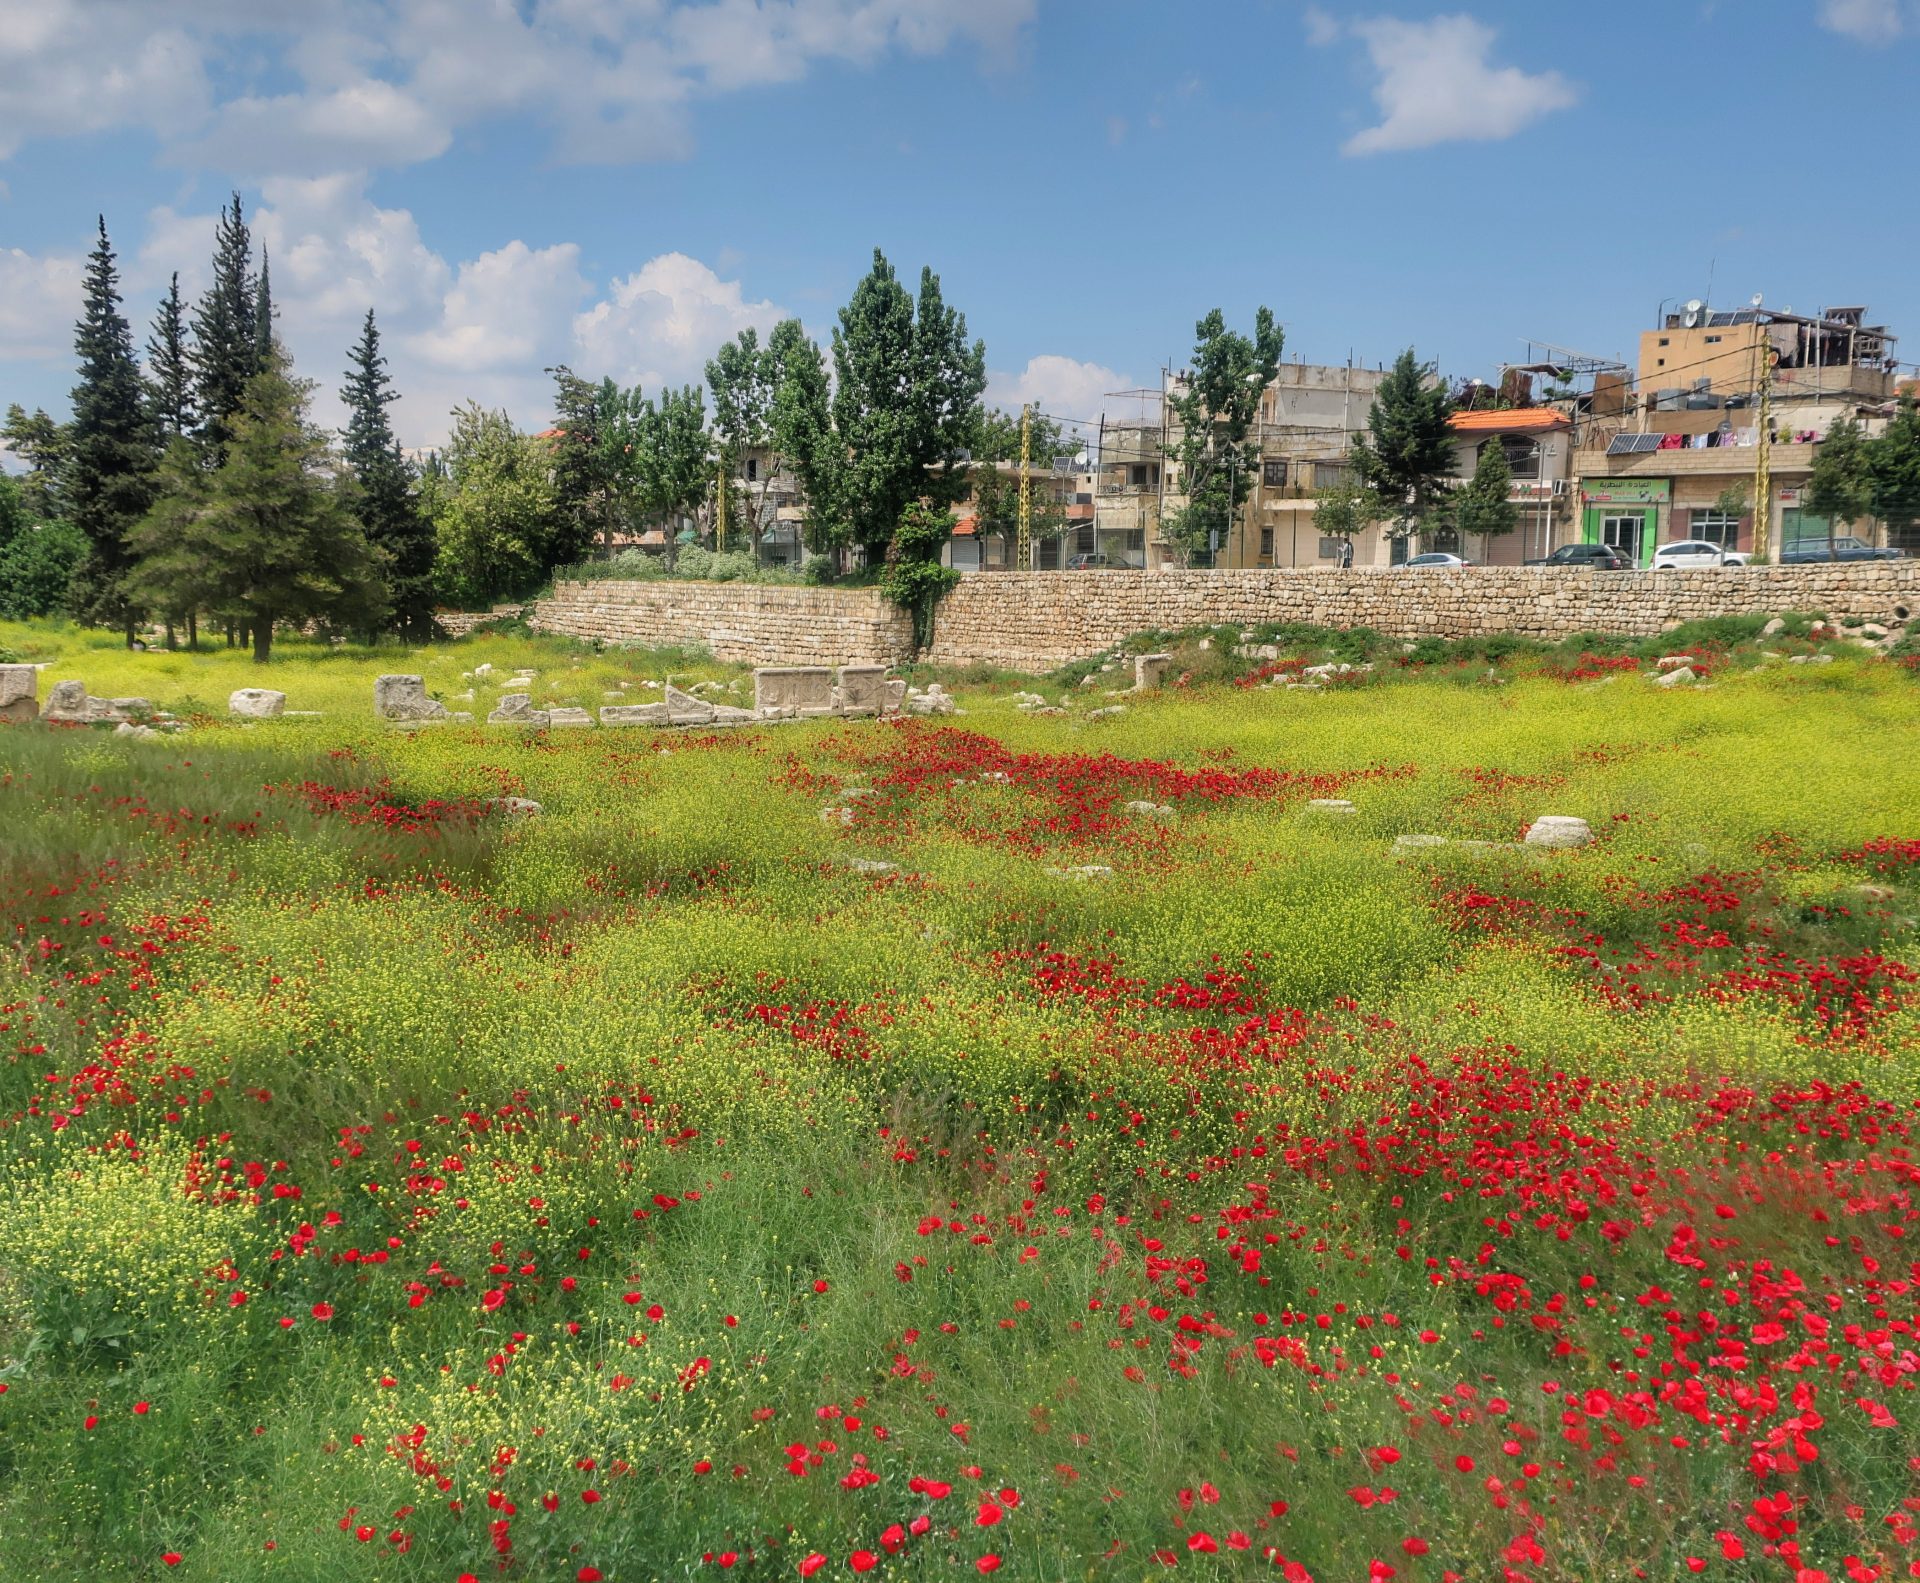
<point x="1633" y="444"/>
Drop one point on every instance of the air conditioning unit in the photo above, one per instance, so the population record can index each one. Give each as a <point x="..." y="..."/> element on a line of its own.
<point x="1559" y="488"/>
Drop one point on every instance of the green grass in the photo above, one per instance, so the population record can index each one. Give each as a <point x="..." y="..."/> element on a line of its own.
<point x="1137" y="1196"/>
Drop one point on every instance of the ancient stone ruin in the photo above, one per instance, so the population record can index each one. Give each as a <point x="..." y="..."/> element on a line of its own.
<point x="405" y="698"/>
<point x="69" y="704"/>
<point x="257" y="703"/>
<point x="19" y="693"/>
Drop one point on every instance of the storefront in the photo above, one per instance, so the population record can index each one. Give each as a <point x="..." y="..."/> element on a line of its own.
<point x="1625" y="513"/>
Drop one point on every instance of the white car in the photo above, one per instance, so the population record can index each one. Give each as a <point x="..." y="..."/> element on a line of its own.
<point x="1695" y="552"/>
<point x="1435" y="558"/>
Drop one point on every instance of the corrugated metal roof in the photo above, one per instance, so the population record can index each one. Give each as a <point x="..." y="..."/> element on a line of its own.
<point x="1513" y="420"/>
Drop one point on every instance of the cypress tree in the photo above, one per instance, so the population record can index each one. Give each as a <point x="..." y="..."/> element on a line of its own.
<point x="109" y="471"/>
<point x="388" y="511"/>
<point x="263" y="317"/>
<point x="226" y="350"/>
<point x="169" y="369"/>
<point x="1407" y="453"/>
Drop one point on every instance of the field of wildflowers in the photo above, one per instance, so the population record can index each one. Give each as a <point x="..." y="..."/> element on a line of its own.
<point x="1071" y="1156"/>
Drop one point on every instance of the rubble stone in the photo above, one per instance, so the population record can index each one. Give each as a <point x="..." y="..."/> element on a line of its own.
<point x="405" y="698"/>
<point x="19" y="692"/>
<point x="1559" y="830"/>
<point x="257" y="703"/>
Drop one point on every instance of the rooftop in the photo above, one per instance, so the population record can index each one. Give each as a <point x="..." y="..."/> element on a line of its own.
<point x="1511" y="420"/>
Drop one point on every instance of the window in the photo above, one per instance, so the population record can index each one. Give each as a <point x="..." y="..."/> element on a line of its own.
<point x="753" y="469"/>
<point x="1659" y="362"/>
<point x="1330" y="549"/>
<point x="1716" y="529"/>
<point x="1142" y="476"/>
<point x="1273" y="474"/>
<point x="1523" y="456"/>
<point x="1328" y="475"/>
<point x="1664" y="341"/>
<point x="1713" y="340"/>
<point x="1266" y="545"/>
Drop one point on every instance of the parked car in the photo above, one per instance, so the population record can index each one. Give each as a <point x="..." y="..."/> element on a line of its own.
<point x="1844" y="548"/>
<point x="1600" y="557"/>
<point x="1683" y="553"/>
<point x="1436" y="560"/>
<point x="1087" y="563"/>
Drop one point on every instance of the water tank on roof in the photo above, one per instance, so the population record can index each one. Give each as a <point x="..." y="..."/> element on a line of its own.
<point x="1669" y="400"/>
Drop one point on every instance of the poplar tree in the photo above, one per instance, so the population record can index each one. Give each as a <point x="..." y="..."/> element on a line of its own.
<point x="110" y="464"/>
<point x="384" y="501"/>
<point x="226" y="352"/>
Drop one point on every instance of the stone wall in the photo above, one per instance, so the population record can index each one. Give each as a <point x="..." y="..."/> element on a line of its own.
<point x="748" y="623"/>
<point x="1034" y="621"/>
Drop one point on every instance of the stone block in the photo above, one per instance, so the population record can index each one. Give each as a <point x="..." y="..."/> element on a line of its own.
<point x="19" y="692"/>
<point x="635" y="715"/>
<point x="1337" y="806"/>
<point x="792" y="689"/>
<point x="1150" y="671"/>
<point x="516" y="709"/>
<point x="862" y="689"/>
<point x="893" y="695"/>
<point x="683" y="709"/>
<point x="569" y="720"/>
<point x="1559" y="830"/>
<point x="405" y="698"/>
<point x="67" y="702"/>
<point x="257" y="703"/>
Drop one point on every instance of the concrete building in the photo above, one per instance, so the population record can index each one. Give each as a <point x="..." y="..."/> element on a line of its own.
<point x="1538" y="443"/>
<point x="1056" y="491"/>
<point x="1680" y="461"/>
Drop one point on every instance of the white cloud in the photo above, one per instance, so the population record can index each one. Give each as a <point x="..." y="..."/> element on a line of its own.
<point x="1869" y="21"/>
<point x="1437" y="85"/>
<point x="1322" y="29"/>
<point x="1061" y="387"/>
<point x="659" y="325"/>
<point x="39" y="303"/>
<point x="377" y="83"/>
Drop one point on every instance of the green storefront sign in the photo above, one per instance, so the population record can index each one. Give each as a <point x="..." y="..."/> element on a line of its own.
<point x="1624" y="512"/>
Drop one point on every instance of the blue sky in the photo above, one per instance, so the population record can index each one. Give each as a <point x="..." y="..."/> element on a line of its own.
<point x="622" y="184"/>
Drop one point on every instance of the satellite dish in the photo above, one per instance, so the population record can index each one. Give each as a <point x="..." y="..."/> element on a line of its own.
<point x="1691" y="318"/>
<point x="1757" y="296"/>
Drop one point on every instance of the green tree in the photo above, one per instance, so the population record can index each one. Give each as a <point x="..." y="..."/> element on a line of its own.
<point x="744" y="377"/>
<point x="492" y="504"/>
<point x="267" y="536"/>
<point x="1840" y="487"/>
<point x="43" y="445"/>
<point x="802" y="425"/>
<point x="1893" y="464"/>
<point x="109" y="469"/>
<point x="226" y="347"/>
<point x="170" y="368"/>
<point x="996" y="503"/>
<point x="1407" y="453"/>
<point x="906" y="402"/>
<point x="1485" y="507"/>
<point x="912" y="576"/>
<point x="37" y="565"/>
<point x="672" y="453"/>
<point x="263" y="316"/>
<point x="999" y="438"/>
<point x="384" y="501"/>
<point x="1215" y="406"/>
<point x="1343" y="510"/>
<point x="581" y="488"/>
<point x="13" y="511"/>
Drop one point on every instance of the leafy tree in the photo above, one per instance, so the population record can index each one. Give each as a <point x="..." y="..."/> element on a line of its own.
<point x="1893" y="463"/>
<point x="1840" y="486"/>
<point x="384" y="500"/>
<point x="1486" y="505"/>
<point x="492" y="504"/>
<point x="226" y="347"/>
<point x="906" y="402"/>
<point x="1407" y="452"/>
<point x="43" y="445"/>
<point x="1215" y="406"/>
<point x="744" y="378"/>
<point x="802" y="427"/>
<point x="13" y="511"/>
<point x="999" y="438"/>
<point x="170" y="368"/>
<point x="1343" y="510"/>
<point x="996" y="504"/>
<point x="267" y="536"/>
<point x="912" y="576"/>
<point x="37" y="566"/>
<point x="581" y="489"/>
<point x="672" y="453"/>
<point x="109" y="469"/>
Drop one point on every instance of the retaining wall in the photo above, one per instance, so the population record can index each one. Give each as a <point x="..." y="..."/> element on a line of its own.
<point x="748" y="623"/>
<point x="1034" y="621"/>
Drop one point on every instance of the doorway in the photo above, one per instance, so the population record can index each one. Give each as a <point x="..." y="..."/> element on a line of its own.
<point x="1625" y="531"/>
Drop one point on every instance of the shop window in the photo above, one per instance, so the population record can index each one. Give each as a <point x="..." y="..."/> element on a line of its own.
<point x="1716" y="527"/>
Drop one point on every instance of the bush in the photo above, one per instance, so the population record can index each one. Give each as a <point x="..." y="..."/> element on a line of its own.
<point x="36" y="568"/>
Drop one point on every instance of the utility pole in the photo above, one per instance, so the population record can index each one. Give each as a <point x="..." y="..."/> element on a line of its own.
<point x="1763" y="463"/>
<point x="1023" y="542"/>
<point x="720" y="518"/>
